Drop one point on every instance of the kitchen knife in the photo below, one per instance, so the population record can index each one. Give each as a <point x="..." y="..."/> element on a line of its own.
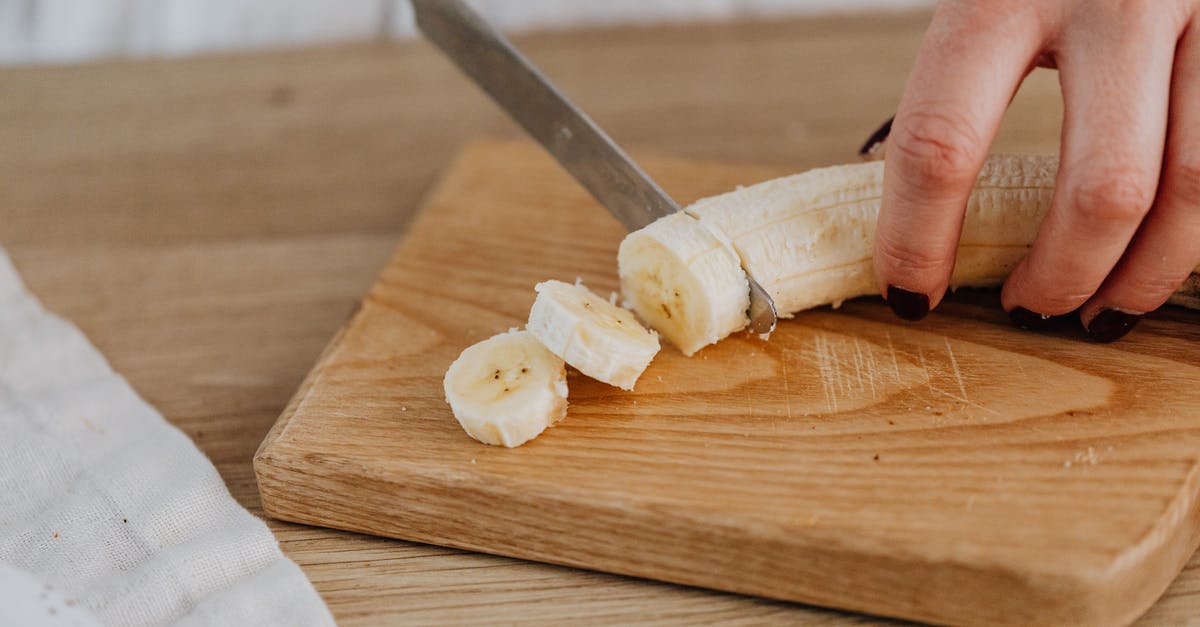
<point x="566" y="132"/>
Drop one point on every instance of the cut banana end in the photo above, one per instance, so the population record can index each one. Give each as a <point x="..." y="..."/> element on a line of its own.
<point x="598" y="338"/>
<point x="685" y="281"/>
<point x="507" y="389"/>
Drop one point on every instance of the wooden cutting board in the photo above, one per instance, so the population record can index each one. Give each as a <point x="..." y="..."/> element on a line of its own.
<point x="956" y="470"/>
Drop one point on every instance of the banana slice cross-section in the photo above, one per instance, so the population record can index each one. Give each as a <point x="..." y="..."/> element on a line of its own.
<point x="598" y="338"/>
<point x="507" y="389"/>
<point x="685" y="280"/>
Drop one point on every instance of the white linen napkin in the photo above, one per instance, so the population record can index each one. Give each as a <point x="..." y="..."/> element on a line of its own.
<point x="111" y="508"/>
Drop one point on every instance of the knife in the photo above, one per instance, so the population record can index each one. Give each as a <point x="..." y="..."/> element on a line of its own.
<point x="586" y="151"/>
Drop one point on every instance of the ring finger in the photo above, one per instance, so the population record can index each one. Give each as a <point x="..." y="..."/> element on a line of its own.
<point x="1115" y="69"/>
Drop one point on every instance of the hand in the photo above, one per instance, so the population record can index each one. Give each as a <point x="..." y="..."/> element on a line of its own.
<point x="1123" y="230"/>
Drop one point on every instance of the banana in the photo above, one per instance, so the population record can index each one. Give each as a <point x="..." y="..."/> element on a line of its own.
<point x="1188" y="294"/>
<point x="507" y="389"/>
<point x="809" y="238"/>
<point x="598" y="338"/>
<point x="685" y="280"/>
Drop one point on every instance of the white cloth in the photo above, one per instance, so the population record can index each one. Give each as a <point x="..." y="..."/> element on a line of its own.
<point x="111" y="507"/>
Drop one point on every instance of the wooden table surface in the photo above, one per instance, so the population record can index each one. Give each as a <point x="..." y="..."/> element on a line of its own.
<point x="209" y="223"/>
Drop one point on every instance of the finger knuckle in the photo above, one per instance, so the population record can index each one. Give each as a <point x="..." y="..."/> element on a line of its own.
<point x="1137" y="8"/>
<point x="975" y="15"/>
<point x="1114" y="196"/>
<point x="1184" y="182"/>
<point x="939" y="148"/>
<point x="1055" y="296"/>
<point x="1060" y="303"/>
<point x="1150" y="14"/>
<point x="1151" y="287"/>
<point x="904" y="259"/>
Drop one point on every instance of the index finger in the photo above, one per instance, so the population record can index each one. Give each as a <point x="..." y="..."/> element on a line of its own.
<point x="971" y="62"/>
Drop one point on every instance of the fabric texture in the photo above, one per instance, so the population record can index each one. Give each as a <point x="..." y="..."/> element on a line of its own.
<point x="113" y="508"/>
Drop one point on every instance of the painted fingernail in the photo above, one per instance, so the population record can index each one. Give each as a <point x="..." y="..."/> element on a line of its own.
<point x="908" y="305"/>
<point x="1031" y="320"/>
<point x="876" y="139"/>
<point x="1111" y="325"/>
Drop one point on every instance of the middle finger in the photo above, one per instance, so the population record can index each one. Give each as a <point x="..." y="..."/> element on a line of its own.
<point x="1115" y="69"/>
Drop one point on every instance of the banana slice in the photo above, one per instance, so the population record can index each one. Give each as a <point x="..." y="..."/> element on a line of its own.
<point x="598" y="338"/>
<point x="507" y="389"/>
<point x="685" y="281"/>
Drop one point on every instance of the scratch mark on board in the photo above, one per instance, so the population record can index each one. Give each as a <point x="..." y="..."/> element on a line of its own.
<point x="928" y="375"/>
<point x="787" y="393"/>
<point x="957" y="372"/>
<point x="865" y="361"/>
<point x="826" y="370"/>
<point x="892" y="352"/>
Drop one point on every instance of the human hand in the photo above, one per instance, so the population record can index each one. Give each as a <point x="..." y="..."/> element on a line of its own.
<point x="1123" y="229"/>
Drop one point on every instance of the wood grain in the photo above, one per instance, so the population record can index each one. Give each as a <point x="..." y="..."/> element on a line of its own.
<point x="960" y="471"/>
<point x="210" y="223"/>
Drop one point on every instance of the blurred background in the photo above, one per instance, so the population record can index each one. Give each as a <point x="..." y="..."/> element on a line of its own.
<point x="54" y="31"/>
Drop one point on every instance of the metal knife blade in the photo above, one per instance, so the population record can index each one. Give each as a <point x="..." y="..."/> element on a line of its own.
<point x="586" y="151"/>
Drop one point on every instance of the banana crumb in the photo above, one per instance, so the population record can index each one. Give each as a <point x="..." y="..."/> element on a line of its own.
<point x="403" y="408"/>
<point x="1088" y="457"/>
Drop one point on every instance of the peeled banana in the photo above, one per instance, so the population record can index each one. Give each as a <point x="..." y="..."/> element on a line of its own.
<point x="808" y="238"/>
<point x="507" y="389"/>
<point x="598" y="338"/>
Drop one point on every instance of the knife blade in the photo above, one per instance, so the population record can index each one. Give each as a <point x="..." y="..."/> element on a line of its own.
<point x="579" y="145"/>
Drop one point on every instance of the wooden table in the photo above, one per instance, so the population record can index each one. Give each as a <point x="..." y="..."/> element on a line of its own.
<point x="209" y="223"/>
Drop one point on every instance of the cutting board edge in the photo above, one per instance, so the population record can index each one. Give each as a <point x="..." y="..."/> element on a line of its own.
<point x="1092" y="598"/>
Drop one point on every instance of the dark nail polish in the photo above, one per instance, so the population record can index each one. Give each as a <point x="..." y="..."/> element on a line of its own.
<point x="1111" y="325"/>
<point x="908" y="305"/>
<point x="1031" y="320"/>
<point x="878" y="137"/>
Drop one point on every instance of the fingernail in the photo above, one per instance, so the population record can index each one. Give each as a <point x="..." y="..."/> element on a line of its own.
<point x="878" y="137"/>
<point x="1111" y="325"/>
<point x="908" y="305"/>
<point x="1031" y="320"/>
